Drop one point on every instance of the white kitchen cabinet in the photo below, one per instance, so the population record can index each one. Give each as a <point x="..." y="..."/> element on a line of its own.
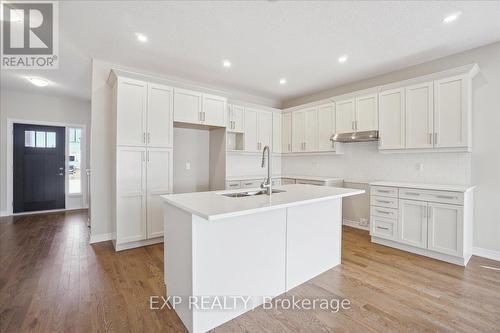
<point x="311" y="130"/>
<point x="130" y="194"/>
<point x="345" y="116"/>
<point x="142" y="166"/>
<point x="252" y="183"/>
<point x="213" y="112"/>
<point x="445" y="228"/>
<point x="392" y="119"/>
<point x="187" y="106"/>
<point x="326" y="127"/>
<point x="264" y="129"/>
<point x="159" y="181"/>
<point x="451" y="112"/>
<point x="435" y="222"/>
<point x="298" y="119"/>
<point x="194" y="107"/>
<point x="160" y="116"/>
<point x="131" y="112"/>
<point x="413" y="223"/>
<point x="305" y="130"/>
<point x="287" y="133"/>
<point x="251" y="132"/>
<point x="236" y="115"/>
<point x="419" y="115"/>
<point x="277" y="143"/>
<point x="366" y="113"/>
<point x="258" y="130"/>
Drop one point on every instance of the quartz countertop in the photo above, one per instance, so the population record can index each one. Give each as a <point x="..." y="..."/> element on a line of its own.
<point x="213" y="206"/>
<point x="317" y="178"/>
<point x="421" y="186"/>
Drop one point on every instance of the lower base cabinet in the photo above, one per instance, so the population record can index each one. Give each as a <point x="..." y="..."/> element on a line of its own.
<point x="437" y="224"/>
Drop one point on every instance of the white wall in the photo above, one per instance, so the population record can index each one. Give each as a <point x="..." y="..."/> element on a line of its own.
<point x="191" y="146"/>
<point x="40" y="108"/>
<point x="480" y="168"/>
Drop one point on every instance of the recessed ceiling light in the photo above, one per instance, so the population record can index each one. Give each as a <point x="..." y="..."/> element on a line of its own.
<point x="452" y="17"/>
<point x="343" y="58"/>
<point x="226" y="63"/>
<point x="39" y="82"/>
<point x="283" y="81"/>
<point x="141" y="37"/>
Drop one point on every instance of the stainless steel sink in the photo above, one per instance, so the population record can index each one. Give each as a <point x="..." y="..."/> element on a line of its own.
<point x="249" y="193"/>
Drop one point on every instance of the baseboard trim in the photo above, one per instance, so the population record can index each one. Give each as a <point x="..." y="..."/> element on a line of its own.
<point x="486" y="253"/>
<point x="4" y="213"/>
<point x="101" y="238"/>
<point x="354" y="224"/>
<point x="132" y="245"/>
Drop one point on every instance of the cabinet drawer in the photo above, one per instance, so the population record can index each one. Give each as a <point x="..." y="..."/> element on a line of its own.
<point x="310" y="182"/>
<point x="383" y="201"/>
<point x="391" y="213"/>
<point x="384" y="191"/>
<point x="251" y="183"/>
<point x="456" y="198"/>
<point x="233" y="185"/>
<point x="383" y="228"/>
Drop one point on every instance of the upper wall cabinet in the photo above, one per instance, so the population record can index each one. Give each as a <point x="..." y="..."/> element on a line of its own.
<point x="286" y="133"/>
<point x="392" y="119"/>
<point x="366" y="113"/>
<point x="326" y="126"/>
<point x="277" y="120"/>
<point x="452" y="112"/>
<point x="419" y="113"/>
<point x="235" y="119"/>
<point x="144" y="113"/>
<point x="427" y="115"/>
<point x="305" y="130"/>
<point x="357" y="114"/>
<point x="198" y="108"/>
<point x="345" y="116"/>
<point x="258" y="129"/>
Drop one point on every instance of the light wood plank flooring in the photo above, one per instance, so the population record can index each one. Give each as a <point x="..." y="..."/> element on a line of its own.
<point x="52" y="280"/>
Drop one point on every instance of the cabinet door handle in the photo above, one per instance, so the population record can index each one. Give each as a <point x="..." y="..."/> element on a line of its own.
<point x="383" y="201"/>
<point x="445" y="197"/>
<point x="411" y="193"/>
<point x="305" y="145"/>
<point x="204" y="116"/>
<point x="383" y="191"/>
<point x="383" y="212"/>
<point x="352" y="125"/>
<point x="383" y="228"/>
<point x="149" y="137"/>
<point x="144" y="137"/>
<point x="147" y="155"/>
<point x="356" y="125"/>
<point x="435" y="138"/>
<point x="430" y="138"/>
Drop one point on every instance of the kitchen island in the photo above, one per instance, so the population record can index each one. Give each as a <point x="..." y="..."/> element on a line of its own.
<point x="227" y="252"/>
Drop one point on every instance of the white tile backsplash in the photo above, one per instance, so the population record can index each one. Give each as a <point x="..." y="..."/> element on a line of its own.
<point x="363" y="162"/>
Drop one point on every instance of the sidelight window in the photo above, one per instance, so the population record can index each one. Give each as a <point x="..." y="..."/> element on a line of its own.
<point x="74" y="163"/>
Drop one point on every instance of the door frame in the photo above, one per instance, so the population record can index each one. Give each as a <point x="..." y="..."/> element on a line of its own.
<point x="10" y="162"/>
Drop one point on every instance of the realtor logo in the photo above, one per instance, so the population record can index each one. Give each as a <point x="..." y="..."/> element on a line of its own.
<point x="29" y="35"/>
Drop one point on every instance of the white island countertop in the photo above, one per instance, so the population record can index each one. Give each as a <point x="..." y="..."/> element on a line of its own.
<point x="214" y="206"/>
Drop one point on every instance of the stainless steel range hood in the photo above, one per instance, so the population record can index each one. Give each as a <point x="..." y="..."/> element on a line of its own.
<point x="355" y="136"/>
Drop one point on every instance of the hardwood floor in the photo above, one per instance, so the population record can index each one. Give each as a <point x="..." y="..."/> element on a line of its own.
<point x="52" y="280"/>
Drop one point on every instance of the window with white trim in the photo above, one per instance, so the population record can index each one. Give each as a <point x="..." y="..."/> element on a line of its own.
<point x="74" y="160"/>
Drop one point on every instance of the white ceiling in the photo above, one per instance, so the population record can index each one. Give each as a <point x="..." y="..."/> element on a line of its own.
<point x="264" y="40"/>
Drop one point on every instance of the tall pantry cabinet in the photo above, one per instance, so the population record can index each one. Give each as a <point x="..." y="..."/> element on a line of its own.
<point x="143" y="140"/>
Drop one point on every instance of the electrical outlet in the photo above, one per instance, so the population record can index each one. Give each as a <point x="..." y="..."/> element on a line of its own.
<point x="188" y="166"/>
